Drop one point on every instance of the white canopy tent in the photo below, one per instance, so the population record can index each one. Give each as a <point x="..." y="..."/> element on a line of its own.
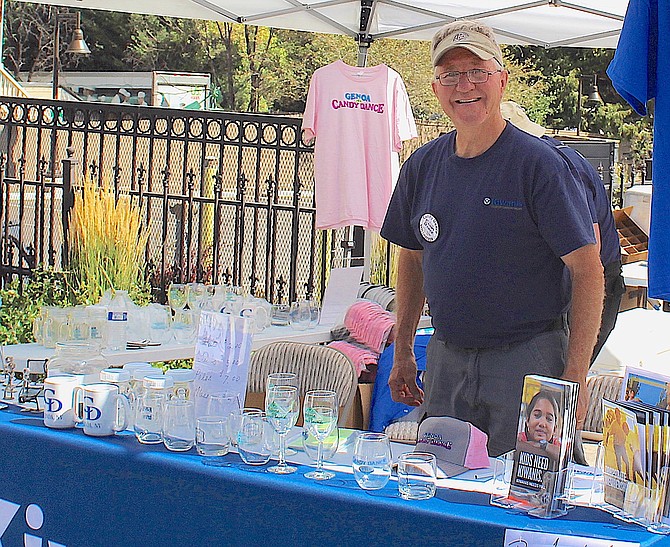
<point x="549" y="23"/>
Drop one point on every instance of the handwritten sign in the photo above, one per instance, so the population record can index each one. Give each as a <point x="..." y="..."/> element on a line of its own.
<point x="222" y="353"/>
<point x="526" y="538"/>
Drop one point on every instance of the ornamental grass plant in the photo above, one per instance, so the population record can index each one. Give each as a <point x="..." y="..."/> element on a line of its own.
<point x="378" y="261"/>
<point x="107" y="244"/>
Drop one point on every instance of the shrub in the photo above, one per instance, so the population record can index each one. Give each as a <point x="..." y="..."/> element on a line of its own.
<point x="19" y="308"/>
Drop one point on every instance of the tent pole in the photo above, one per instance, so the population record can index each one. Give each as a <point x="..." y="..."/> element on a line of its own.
<point x="362" y="59"/>
<point x="361" y="237"/>
<point x="2" y="33"/>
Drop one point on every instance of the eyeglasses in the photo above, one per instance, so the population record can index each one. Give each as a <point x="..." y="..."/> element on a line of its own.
<point x="475" y="76"/>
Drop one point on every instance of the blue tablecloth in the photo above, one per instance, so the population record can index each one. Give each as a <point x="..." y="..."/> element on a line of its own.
<point x="116" y="492"/>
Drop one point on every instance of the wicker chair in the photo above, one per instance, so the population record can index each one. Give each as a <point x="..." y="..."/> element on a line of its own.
<point x="317" y="367"/>
<point x="381" y="294"/>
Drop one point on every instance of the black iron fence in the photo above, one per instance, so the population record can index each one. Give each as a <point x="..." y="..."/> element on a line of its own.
<point x="226" y="197"/>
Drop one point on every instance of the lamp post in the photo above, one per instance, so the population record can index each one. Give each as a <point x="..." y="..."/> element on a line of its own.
<point x="77" y="45"/>
<point x="594" y="98"/>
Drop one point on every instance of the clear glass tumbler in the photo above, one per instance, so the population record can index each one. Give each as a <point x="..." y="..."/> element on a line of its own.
<point x="417" y="475"/>
<point x="252" y="436"/>
<point x="179" y="425"/>
<point x="212" y="438"/>
<point x="372" y="460"/>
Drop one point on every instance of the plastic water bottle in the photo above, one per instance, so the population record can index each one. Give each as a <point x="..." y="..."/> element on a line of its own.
<point x="117" y="320"/>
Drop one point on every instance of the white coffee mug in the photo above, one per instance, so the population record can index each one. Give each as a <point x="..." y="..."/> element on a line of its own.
<point x="101" y="409"/>
<point x="58" y="400"/>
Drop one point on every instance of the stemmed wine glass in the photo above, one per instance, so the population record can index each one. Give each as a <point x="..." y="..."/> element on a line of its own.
<point x="281" y="408"/>
<point x="320" y="418"/>
<point x="177" y="296"/>
<point x="196" y="295"/>
<point x="281" y="379"/>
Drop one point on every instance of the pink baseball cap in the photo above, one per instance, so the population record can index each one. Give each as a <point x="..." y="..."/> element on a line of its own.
<point x="457" y="445"/>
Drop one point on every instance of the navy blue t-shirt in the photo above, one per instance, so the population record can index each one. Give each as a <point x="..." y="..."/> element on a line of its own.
<point x="610" y="248"/>
<point x="492" y="229"/>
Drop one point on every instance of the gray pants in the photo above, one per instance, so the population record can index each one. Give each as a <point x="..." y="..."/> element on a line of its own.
<point x="483" y="386"/>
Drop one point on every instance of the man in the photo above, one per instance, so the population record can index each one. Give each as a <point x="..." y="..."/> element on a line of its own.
<point x="487" y="218"/>
<point x="601" y="212"/>
<point x="603" y="225"/>
<point x="121" y="96"/>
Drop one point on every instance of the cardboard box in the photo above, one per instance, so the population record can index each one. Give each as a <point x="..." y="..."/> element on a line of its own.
<point x="359" y="418"/>
<point x="634" y="242"/>
<point x="634" y="297"/>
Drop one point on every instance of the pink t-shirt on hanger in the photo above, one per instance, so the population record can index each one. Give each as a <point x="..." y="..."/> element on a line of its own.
<point x="359" y="116"/>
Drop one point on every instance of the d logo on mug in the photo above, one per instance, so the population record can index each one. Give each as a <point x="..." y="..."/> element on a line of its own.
<point x="92" y="412"/>
<point x="52" y="404"/>
<point x="58" y="392"/>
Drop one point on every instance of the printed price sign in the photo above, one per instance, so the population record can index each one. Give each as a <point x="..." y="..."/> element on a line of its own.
<point x="222" y="353"/>
<point x="525" y="538"/>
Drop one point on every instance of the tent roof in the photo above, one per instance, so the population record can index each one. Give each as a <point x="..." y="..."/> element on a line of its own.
<point x="549" y="23"/>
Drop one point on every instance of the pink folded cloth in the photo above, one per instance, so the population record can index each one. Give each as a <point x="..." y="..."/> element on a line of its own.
<point x="369" y="324"/>
<point x="360" y="357"/>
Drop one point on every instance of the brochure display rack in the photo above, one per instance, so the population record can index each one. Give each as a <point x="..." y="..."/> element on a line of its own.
<point x="647" y="507"/>
<point x="540" y="462"/>
<point x="545" y="503"/>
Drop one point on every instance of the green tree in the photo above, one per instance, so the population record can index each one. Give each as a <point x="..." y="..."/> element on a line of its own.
<point x="298" y="55"/>
<point x="561" y="70"/>
<point x="28" y="31"/>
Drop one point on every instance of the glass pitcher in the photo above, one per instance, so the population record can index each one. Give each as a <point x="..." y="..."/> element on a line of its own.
<point x="82" y="358"/>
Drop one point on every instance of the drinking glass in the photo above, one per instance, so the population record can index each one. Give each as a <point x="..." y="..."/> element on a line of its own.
<point x="54" y="327"/>
<point x="218" y="295"/>
<point x="279" y="315"/>
<point x="252" y="437"/>
<point x="196" y="295"/>
<point x="320" y="418"/>
<point x="281" y="379"/>
<point x="372" y="460"/>
<point x="78" y="325"/>
<point x="281" y="407"/>
<point x="299" y="315"/>
<point x="227" y="405"/>
<point x="417" y="475"/>
<point x="177" y="296"/>
<point x="329" y="445"/>
<point x="97" y="320"/>
<point x="212" y="438"/>
<point x="179" y="425"/>
<point x="160" y="323"/>
<point x="185" y="326"/>
<point x="222" y="403"/>
<point x="38" y="325"/>
<point x="314" y="313"/>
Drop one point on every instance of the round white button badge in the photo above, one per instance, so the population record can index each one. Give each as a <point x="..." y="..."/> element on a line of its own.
<point x="429" y="227"/>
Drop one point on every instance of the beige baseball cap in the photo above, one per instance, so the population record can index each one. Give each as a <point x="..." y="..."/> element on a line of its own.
<point x="471" y="35"/>
<point x="517" y="115"/>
